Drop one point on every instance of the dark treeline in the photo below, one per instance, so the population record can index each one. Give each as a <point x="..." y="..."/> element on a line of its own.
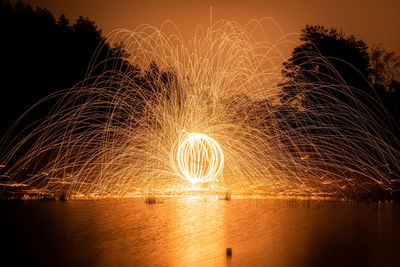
<point x="336" y="78"/>
<point x="327" y="57"/>
<point x="41" y="54"/>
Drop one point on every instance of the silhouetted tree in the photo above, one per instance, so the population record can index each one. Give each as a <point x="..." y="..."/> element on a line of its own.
<point x="41" y="55"/>
<point x="385" y="78"/>
<point x="325" y="57"/>
<point x="326" y="74"/>
<point x="63" y="21"/>
<point x="385" y="68"/>
<point x="331" y="80"/>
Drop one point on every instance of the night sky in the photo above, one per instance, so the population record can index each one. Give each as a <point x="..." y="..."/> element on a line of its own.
<point x="372" y="21"/>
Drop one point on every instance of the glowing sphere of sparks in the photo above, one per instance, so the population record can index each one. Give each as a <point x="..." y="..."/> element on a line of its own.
<point x="197" y="158"/>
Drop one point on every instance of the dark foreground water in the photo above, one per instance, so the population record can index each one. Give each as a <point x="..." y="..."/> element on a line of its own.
<point x="188" y="232"/>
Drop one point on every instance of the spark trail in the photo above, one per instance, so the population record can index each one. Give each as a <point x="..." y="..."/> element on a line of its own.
<point x="206" y="110"/>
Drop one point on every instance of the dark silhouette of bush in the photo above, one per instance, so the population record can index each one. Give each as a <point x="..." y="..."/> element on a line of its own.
<point x="385" y="78"/>
<point x="345" y="74"/>
<point x="325" y="57"/>
<point x="41" y="55"/>
<point x="333" y="84"/>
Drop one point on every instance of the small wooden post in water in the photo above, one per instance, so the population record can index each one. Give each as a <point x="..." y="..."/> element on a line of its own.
<point x="229" y="252"/>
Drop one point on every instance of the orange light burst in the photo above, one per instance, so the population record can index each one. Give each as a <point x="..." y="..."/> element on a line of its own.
<point x="208" y="111"/>
<point x="196" y="157"/>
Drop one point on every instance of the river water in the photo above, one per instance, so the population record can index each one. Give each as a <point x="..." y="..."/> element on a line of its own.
<point x="197" y="232"/>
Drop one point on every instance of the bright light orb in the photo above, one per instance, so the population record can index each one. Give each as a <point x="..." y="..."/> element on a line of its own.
<point x="197" y="158"/>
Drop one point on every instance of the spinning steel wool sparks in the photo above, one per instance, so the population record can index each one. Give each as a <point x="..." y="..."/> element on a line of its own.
<point x="207" y="111"/>
<point x="197" y="158"/>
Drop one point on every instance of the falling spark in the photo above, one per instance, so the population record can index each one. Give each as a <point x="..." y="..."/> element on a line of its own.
<point x="204" y="112"/>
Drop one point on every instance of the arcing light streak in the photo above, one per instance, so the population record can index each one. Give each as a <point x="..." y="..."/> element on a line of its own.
<point x="143" y="129"/>
<point x="197" y="158"/>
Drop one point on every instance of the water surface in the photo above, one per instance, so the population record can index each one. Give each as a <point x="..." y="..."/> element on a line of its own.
<point x="187" y="232"/>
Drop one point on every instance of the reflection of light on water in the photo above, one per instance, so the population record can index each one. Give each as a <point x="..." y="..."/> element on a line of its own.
<point x="199" y="237"/>
<point x="194" y="197"/>
<point x="127" y="232"/>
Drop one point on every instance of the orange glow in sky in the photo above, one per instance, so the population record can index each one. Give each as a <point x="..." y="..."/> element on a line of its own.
<point x="372" y="21"/>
